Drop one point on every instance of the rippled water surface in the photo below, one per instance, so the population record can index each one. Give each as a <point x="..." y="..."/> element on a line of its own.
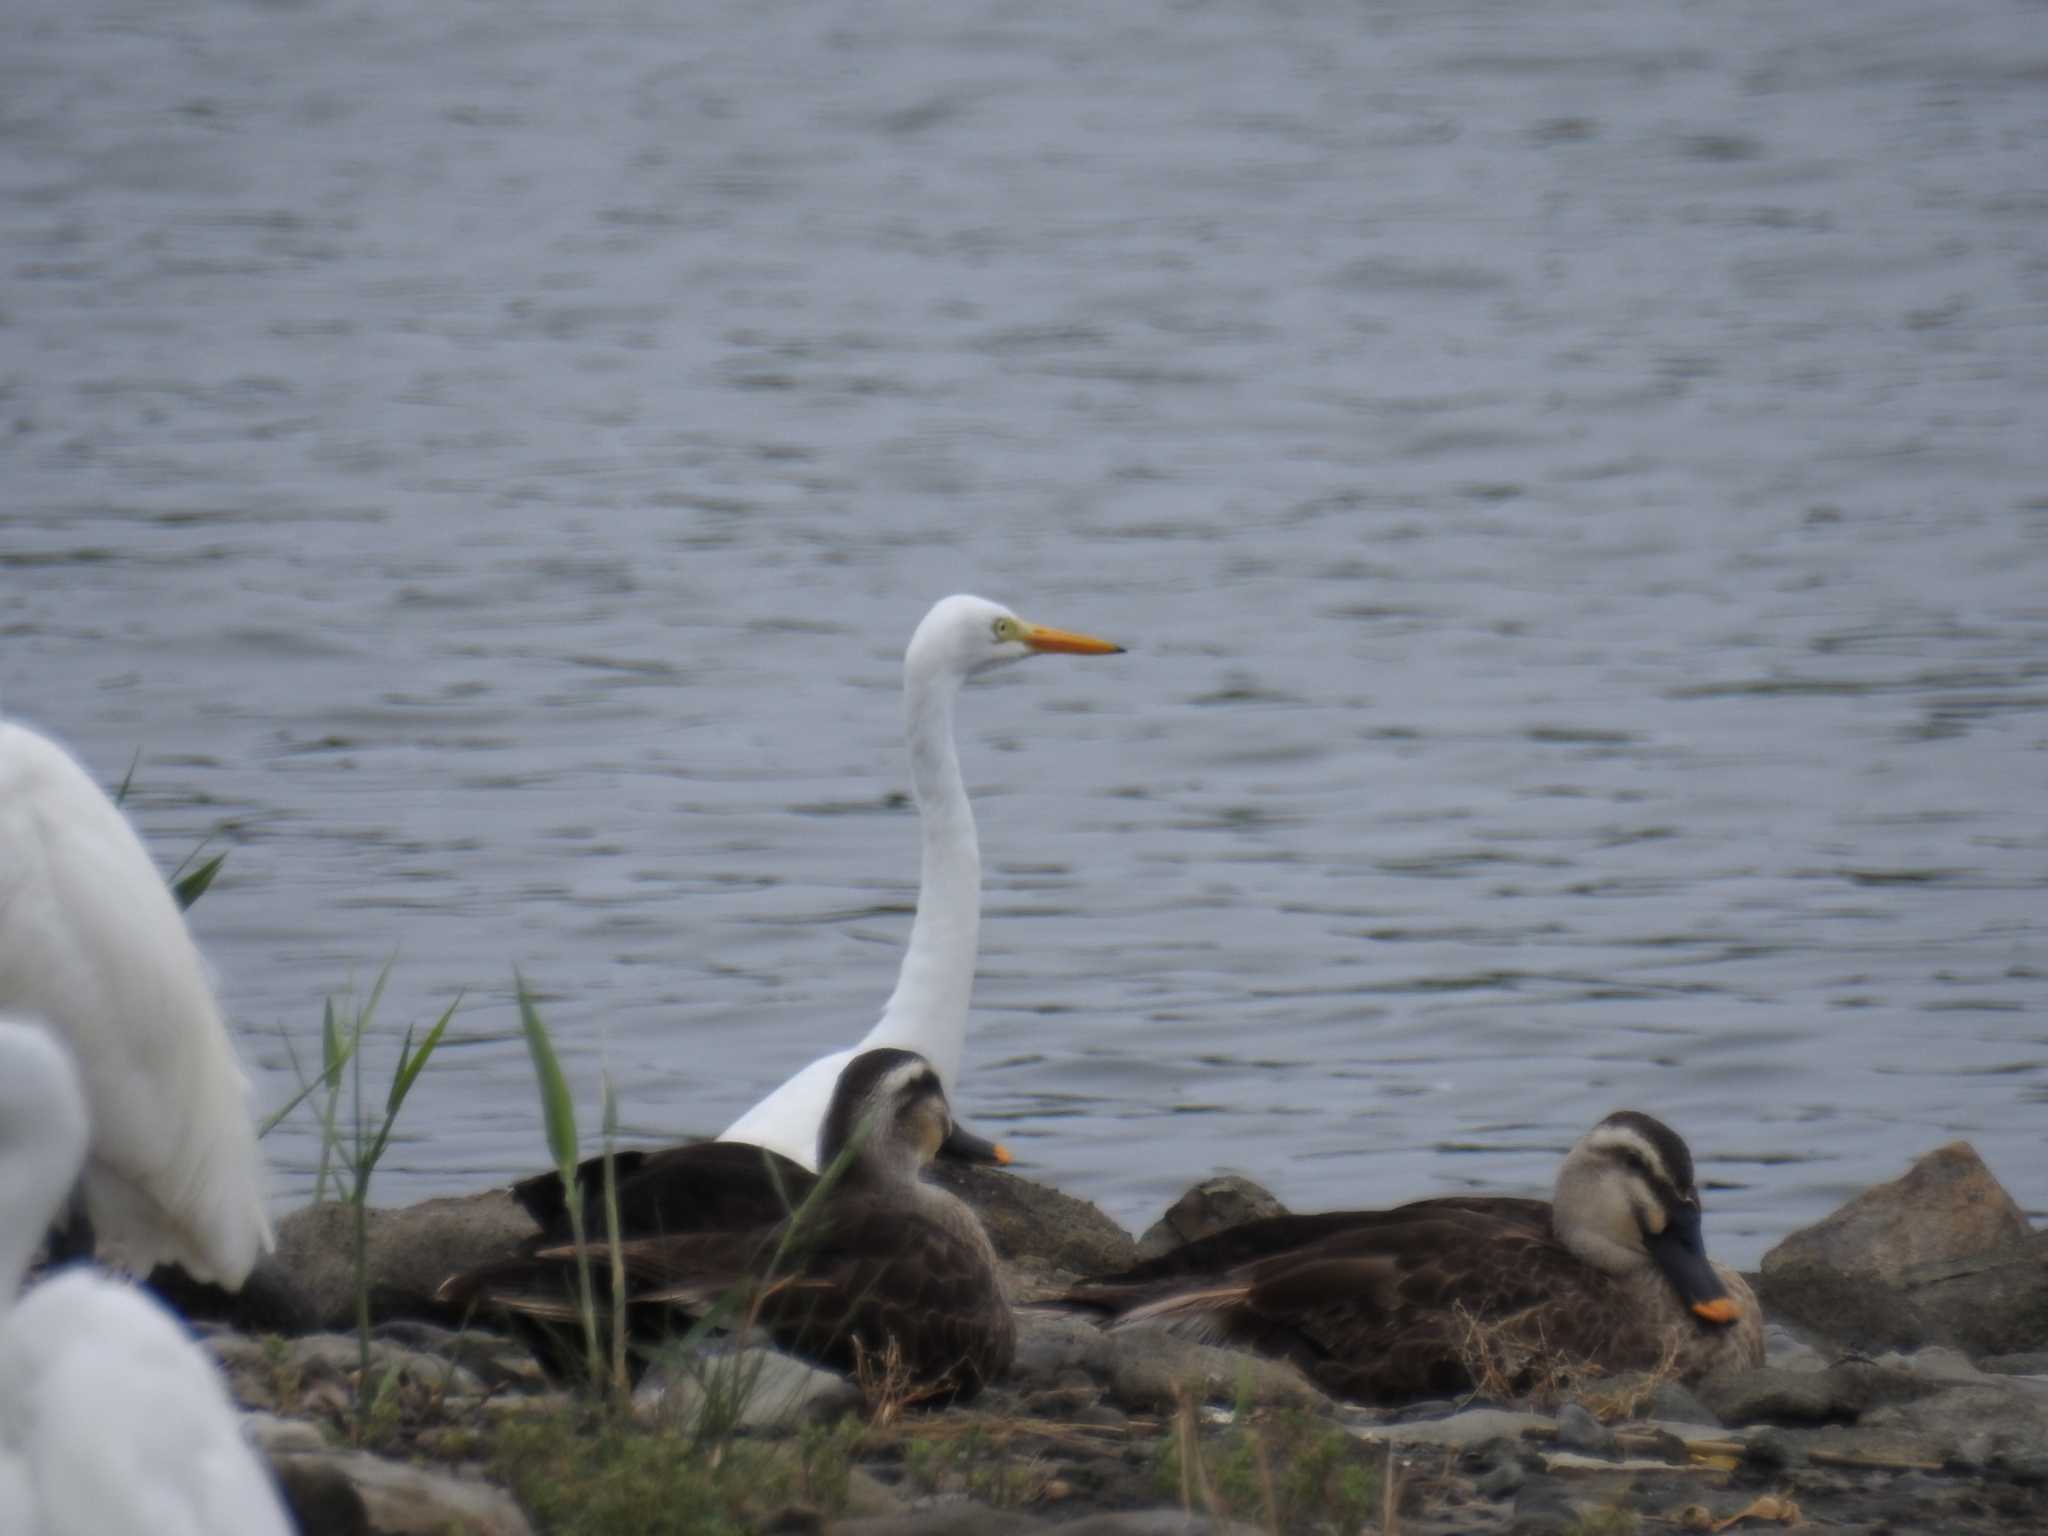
<point x="1573" y="476"/>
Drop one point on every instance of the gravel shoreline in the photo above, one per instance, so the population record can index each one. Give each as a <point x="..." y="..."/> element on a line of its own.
<point x="1921" y="1406"/>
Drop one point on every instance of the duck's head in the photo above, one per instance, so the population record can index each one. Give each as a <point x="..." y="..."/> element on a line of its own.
<point x="890" y="1109"/>
<point x="963" y="635"/>
<point x="1626" y="1198"/>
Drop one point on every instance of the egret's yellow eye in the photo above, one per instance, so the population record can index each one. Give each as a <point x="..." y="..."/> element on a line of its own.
<point x="1006" y="628"/>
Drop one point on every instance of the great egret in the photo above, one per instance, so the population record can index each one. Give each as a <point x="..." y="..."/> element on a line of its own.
<point x="112" y="1420"/>
<point x="927" y="1012"/>
<point x="93" y="945"/>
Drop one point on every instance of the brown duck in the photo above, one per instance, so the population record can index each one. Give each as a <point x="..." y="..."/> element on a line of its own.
<point x="873" y="1261"/>
<point x="1442" y="1296"/>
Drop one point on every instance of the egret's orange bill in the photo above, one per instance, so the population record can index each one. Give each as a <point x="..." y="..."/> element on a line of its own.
<point x="1067" y="642"/>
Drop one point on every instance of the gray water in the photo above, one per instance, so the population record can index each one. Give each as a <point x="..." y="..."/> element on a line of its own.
<point x="1573" y="477"/>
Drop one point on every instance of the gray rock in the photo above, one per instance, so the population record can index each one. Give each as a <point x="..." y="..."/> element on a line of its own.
<point x="402" y="1500"/>
<point x="1772" y="1449"/>
<point x="778" y="1390"/>
<point x="1210" y="1206"/>
<point x="1940" y="1256"/>
<point x="1144" y="1370"/>
<point x="1680" y="1405"/>
<point x="1504" y="1478"/>
<point x="411" y="1251"/>
<point x="1842" y="1394"/>
<point x="1036" y="1226"/>
<point x="1947" y="1206"/>
<point x="1578" y="1430"/>
<point x="1936" y="1360"/>
<point x="282" y="1437"/>
<point x="1977" y="1424"/>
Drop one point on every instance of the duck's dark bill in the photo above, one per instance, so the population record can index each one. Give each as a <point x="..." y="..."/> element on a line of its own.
<point x="1682" y="1255"/>
<point x="963" y="1146"/>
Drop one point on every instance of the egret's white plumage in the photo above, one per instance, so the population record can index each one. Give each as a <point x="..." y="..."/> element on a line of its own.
<point x="927" y="1012"/>
<point x="112" y="1421"/>
<point x="93" y="945"/>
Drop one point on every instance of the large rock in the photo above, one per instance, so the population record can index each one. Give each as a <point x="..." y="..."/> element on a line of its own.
<point x="1979" y="1423"/>
<point x="1940" y="1256"/>
<point x="1841" y="1394"/>
<point x="1210" y="1206"/>
<point x="1035" y="1227"/>
<point x="411" y="1251"/>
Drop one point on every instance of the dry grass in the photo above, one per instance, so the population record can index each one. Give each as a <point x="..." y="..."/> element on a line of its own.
<point x="1511" y="1360"/>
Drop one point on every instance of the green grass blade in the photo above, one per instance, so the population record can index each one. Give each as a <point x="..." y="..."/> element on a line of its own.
<point x="128" y="778"/>
<point x="189" y="888"/>
<point x="557" y="1109"/>
<point x="411" y="1064"/>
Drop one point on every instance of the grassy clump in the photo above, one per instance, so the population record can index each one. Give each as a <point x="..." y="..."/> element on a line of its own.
<point x="983" y="1465"/>
<point x="1287" y="1470"/>
<point x="592" y="1473"/>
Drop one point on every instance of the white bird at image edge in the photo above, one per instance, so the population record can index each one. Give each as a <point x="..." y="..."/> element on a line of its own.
<point x="113" y="1422"/>
<point x="92" y="944"/>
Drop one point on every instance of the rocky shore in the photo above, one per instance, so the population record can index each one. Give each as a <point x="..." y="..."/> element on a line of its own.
<point x="1906" y="1389"/>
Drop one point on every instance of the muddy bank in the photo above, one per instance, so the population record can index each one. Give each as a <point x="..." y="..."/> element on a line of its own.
<point x="1906" y="1389"/>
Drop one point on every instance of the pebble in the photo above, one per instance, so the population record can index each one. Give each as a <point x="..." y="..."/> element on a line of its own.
<point x="1507" y="1477"/>
<point x="1578" y="1430"/>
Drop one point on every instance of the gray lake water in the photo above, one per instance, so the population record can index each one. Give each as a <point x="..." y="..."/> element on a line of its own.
<point x="1573" y="477"/>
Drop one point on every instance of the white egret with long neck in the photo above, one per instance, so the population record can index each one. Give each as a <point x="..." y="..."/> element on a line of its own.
<point x="927" y="1013"/>
<point x="93" y="945"/>
<point x="111" y="1418"/>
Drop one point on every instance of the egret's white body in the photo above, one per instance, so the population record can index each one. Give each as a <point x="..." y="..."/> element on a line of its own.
<point x="927" y="1012"/>
<point x="112" y="1421"/>
<point x="92" y="944"/>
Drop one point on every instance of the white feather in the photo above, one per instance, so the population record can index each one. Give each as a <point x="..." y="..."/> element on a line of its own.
<point x="112" y="1421"/>
<point x="927" y="1012"/>
<point x="93" y="945"/>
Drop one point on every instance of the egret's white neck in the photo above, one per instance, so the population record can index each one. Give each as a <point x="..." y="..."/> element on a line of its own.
<point x="42" y="1145"/>
<point x="927" y="1012"/>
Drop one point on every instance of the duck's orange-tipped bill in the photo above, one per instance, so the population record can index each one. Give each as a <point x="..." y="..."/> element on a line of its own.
<point x="1066" y="642"/>
<point x="963" y="1146"/>
<point x="1720" y="1310"/>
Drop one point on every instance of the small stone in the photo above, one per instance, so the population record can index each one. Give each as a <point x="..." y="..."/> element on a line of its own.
<point x="1506" y="1478"/>
<point x="282" y="1437"/>
<point x="1578" y="1430"/>
<point x="780" y="1390"/>
<point x="1772" y="1448"/>
<point x="1679" y="1405"/>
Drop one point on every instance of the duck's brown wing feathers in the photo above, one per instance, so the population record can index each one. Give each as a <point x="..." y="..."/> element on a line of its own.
<point x="1400" y="1304"/>
<point x="838" y="1290"/>
<point x="703" y="1186"/>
